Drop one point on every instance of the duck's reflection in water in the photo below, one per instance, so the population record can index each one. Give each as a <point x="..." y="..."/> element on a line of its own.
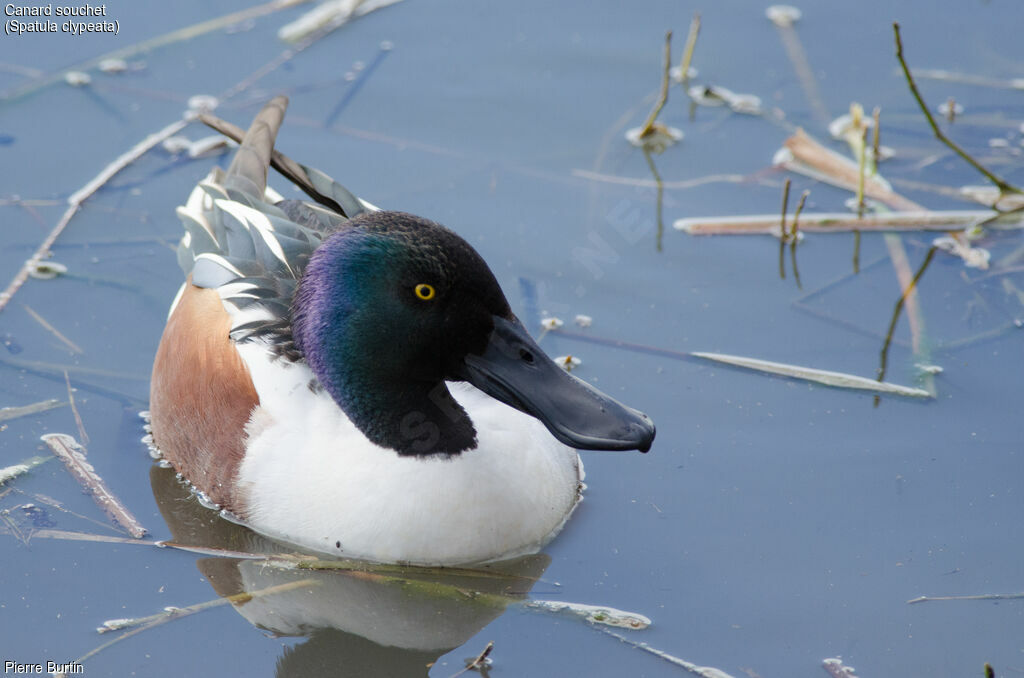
<point x="394" y="622"/>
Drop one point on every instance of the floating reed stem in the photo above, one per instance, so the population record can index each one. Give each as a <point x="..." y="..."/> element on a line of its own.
<point x="73" y="456"/>
<point x="81" y="195"/>
<point x="842" y="222"/>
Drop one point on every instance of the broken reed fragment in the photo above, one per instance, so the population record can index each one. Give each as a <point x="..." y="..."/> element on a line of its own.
<point x="826" y="377"/>
<point x="73" y="456"/>
<point x="804" y="155"/>
<point x="980" y="596"/>
<point x="841" y="222"/>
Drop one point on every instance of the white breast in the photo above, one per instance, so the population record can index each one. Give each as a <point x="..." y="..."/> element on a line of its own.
<point x="311" y="478"/>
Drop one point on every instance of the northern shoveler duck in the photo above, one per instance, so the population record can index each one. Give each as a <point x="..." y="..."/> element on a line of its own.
<point x="353" y="381"/>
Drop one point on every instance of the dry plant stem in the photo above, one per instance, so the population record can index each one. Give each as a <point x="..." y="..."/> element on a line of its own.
<point x="73" y="456"/>
<point x="838" y="222"/>
<point x="76" y="199"/>
<point x="842" y="172"/>
<point x="74" y="410"/>
<point x="53" y="503"/>
<point x="981" y="596"/>
<point x="178" y="35"/>
<point x="67" y="535"/>
<point x="177" y="613"/>
<point x="671" y="185"/>
<point x="826" y="377"/>
<point x="53" y="330"/>
<point x="1003" y="186"/>
<point x="964" y="78"/>
<point x="477" y="663"/>
<point x="648" y="125"/>
<point x="691" y="43"/>
<point x="8" y="413"/>
<point x="13" y="530"/>
<point x="702" y="671"/>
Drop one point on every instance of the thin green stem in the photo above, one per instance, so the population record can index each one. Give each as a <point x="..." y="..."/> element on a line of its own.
<point x="896" y="313"/>
<point x="782" y="230"/>
<point x="1003" y="186"/>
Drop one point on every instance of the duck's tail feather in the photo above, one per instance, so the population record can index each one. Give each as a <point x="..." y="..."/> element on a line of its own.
<point x="314" y="183"/>
<point x="248" y="170"/>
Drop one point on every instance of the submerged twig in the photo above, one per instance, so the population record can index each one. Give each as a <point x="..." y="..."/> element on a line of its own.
<point x="702" y="671"/>
<point x="81" y="195"/>
<point x="826" y="377"/>
<point x="648" y="183"/>
<point x="73" y="456"/>
<point x="856" y="250"/>
<point x="170" y="614"/>
<point x="8" y="413"/>
<point x="1003" y="186"/>
<point x="648" y="127"/>
<point x="53" y="330"/>
<point x="74" y="410"/>
<point x="659" y="198"/>
<point x="908" y="290"/>
<point x="783" y="17"/>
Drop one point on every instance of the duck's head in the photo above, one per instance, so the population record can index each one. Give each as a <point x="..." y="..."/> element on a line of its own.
<point x="393" y="305"/>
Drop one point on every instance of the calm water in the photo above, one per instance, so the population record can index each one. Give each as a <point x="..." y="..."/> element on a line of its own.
<point x="774" y="523"/>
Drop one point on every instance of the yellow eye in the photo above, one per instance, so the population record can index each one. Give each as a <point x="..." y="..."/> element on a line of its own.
<point x="425" y="292"/>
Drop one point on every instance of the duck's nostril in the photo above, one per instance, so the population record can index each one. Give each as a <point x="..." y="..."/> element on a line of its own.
<point x="526" y="355"/>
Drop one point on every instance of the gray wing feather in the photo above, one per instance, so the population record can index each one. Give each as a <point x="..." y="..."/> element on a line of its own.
<point x="254" y="252"/>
